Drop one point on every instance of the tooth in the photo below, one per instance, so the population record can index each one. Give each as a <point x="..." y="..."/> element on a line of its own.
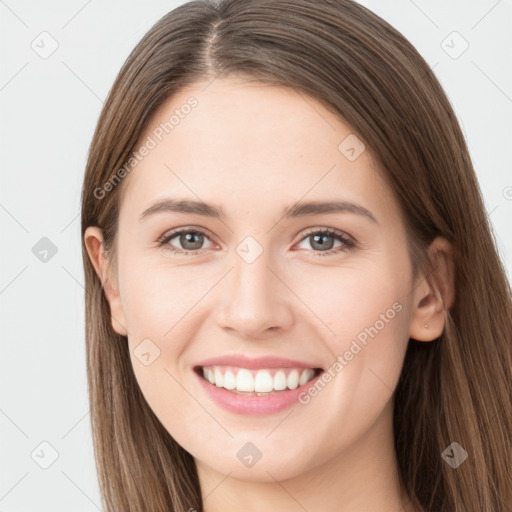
<point x="279" y="380"/>
<point x="305" y="376"/>
<point x="219" y="378"/>
<point x="244" y="380"/>
<point x="293" y="379"/>
<point x="263" y="382"/>
<point x="229" y="380"/>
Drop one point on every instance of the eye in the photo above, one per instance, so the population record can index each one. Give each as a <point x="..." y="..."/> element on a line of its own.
<point x="318" y="239"/>
<point x="189" y="239"/>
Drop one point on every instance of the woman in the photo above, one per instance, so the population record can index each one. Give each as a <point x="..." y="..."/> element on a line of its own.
<point x="293" y="297"/>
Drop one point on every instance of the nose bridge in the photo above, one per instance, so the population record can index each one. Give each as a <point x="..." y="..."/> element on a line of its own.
<point x="252" y="280"/>
<point x="255" y="298"/>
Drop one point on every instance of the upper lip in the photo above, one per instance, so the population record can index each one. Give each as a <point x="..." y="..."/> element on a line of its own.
<point x="255" y="363"/>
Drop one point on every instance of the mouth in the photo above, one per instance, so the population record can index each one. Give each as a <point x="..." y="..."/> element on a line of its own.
<point x="256" y="382"/>
<point x="261" y="386"/>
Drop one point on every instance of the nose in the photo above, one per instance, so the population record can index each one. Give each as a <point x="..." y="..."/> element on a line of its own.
<point x="255" y="301"/>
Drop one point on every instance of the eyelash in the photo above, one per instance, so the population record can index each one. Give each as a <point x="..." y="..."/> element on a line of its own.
<point x="348" y="243"/>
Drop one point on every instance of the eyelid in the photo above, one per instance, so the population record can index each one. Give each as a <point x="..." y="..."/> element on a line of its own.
<point x="330" y="231"/>
<point x="177" y="231"/>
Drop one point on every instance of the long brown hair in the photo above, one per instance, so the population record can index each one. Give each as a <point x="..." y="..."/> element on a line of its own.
<point x="457" y="388"/>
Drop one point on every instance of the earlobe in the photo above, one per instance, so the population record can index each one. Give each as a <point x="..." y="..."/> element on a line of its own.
<point x="93" y="239"/>
<point x="434" y="293"/>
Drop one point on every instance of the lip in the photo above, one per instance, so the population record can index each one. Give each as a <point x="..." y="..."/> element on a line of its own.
<point x="255" y="363"/>
<point x="253" y="404"/>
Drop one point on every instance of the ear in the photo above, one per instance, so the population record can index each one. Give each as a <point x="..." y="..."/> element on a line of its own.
<point x="434" y="293"/>
<point x="93" y="239"/>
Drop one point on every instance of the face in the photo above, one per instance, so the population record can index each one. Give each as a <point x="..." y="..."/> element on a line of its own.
<point x="301" y="292"/>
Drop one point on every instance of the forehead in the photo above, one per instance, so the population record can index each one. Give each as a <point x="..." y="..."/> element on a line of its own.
<point x="252" y="146"/>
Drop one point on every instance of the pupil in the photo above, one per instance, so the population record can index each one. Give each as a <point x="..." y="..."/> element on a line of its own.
<point x="188" y="238"/>
<point x="320" y="244"/>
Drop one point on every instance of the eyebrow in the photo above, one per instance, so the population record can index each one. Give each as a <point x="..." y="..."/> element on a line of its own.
<point x="299" y="209"/>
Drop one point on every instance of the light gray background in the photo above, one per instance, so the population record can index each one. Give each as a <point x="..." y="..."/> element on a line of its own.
<point x="49" y="108"/>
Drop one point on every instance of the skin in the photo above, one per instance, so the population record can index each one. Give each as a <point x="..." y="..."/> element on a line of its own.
<point x="254" y="150"/>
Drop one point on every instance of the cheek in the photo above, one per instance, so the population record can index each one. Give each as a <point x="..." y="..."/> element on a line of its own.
<point x="346" y="302"/>
<point x="363" y="316"/>
<point x="161" y="324"/>
<point x="161" y="305"/>
<point x="157" y="298"/>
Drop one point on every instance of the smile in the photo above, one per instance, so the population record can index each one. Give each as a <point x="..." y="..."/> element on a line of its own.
<point x="260" y="386"/>
<point x="257" y="382"/>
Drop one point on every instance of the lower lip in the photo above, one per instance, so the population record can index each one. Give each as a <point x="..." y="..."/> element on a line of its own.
<point x="254" y="404"/>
